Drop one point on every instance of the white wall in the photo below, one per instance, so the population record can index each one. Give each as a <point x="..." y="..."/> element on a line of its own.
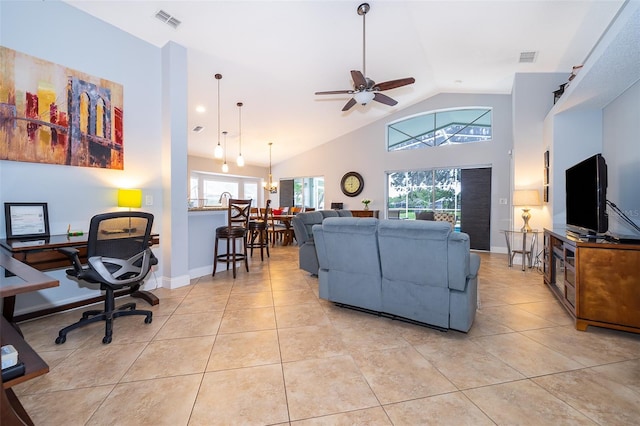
<point x="62" y="34"/>
<point x="364" y="151"/>
<point x="532" y="100"/>
<point x="621" y="150"/>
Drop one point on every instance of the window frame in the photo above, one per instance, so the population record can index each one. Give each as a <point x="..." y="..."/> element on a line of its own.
<point x="389" y="127"/>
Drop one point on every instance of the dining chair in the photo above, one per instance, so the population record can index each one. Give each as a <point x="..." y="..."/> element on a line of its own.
<point x="276" y="229"/>
<point x="258" y="229"/>
<point x="234" y="233"/>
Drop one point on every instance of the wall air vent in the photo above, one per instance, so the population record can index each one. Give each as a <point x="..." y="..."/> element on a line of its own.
<point x="168" y="19"/>
<point x="197" y="129"/>
<point x="528" y="57"/>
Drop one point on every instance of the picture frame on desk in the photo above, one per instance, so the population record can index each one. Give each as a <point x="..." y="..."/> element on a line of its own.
<point x="26" y="220"/>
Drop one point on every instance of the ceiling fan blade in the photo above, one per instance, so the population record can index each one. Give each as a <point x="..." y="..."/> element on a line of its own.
<point x="359" y="82"/>
<point x="384" y="99"/>
<point x="349" y="104"/>
<point x="334" y="92"/>
<point x="392" y="84"/>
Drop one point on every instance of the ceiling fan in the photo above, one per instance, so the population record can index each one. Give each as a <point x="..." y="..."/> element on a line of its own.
<point x="364" y="89"/>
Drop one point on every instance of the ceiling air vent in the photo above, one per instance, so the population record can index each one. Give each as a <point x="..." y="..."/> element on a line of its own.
<point x="197" y="129"/>
<point x="528" y="57"/>
<point x="167" y="19"/>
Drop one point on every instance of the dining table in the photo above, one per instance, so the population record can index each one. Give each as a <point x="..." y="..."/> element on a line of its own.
<point x="285" y="219"/>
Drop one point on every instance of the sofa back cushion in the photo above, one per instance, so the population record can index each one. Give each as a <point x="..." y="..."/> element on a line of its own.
<point x="329" y="213"/>
<point x="347" y="250"/>
<point x="414" y="251"/>
<point x="303" y="225"/>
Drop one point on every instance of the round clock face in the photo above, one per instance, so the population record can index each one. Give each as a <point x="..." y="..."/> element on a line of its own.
<point x="352" y="184"/>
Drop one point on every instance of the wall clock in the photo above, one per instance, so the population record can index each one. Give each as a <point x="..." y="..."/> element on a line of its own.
<point x="352" y="184"/>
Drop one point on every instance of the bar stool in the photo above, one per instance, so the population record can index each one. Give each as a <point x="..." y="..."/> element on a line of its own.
<point x="258" y="229"/>
<point x="236" y="229"/>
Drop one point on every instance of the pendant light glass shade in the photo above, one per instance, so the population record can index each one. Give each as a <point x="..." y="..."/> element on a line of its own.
<point x="217" y="152"/>
<point x="225" y="166"/>
<point x="240" y="160"/>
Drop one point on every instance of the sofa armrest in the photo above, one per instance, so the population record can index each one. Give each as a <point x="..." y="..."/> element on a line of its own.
<point x="299" y="230"/>
<point x="321" y="250"/>
<point x="474" y="265"/>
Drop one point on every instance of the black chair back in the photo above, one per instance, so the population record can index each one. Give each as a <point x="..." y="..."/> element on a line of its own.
<point x="239" y="213"/>
<point x="265" y="216"/>
<point x="119" y="235"/>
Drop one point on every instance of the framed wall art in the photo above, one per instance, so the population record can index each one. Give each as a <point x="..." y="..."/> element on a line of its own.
<point x="26" y="220"/>
<point x="56" y="115"/>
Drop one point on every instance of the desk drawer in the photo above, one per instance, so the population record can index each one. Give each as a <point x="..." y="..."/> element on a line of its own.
<point x="48" y="259"/>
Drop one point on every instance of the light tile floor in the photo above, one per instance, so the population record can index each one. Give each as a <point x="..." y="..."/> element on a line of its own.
<point x="264" y="350"/>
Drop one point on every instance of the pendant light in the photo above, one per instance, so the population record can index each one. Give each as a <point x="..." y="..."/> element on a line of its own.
<point x="240" y="160"/>
<point x="225" y="166"/>
<point x="217" y="153"/>
<point x="270" y="186"/>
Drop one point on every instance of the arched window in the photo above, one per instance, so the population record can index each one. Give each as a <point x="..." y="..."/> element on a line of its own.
<point x="84" y="113"/>
<point x="100" y="118"/>
<point x="443" y="127"/>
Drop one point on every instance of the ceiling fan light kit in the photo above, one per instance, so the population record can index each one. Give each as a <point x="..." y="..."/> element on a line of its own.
<point x="365" y="89"/>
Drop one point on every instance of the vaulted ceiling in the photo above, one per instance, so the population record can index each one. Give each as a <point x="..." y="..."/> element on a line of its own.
<point x="273" y="56"/>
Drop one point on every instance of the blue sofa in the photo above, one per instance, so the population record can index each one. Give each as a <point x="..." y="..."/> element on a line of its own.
<point x="302" y="228"/>
<point x="418" y="270"/>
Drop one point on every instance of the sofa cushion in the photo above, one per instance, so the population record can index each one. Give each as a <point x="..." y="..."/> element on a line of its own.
<point x="347" y="251"/>
<point x="414" y="251"/>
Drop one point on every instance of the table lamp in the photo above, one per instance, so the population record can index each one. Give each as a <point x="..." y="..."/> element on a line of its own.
<point x="526" y="198"/>
<point x="130" y="198"/>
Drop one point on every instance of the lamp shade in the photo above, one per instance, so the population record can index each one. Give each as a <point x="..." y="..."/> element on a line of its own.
<point x="130" y="198"/>
<point x="526" y="197"/>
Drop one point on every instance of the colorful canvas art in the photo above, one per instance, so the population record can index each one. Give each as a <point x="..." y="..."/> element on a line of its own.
<point x="56" y="115"/>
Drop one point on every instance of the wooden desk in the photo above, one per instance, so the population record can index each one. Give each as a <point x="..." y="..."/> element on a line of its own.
<point x="17" y="278"/>
<point x="42" y="254"/>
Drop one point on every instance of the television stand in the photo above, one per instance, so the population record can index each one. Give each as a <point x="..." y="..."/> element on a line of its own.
<point x="597" y="282"/>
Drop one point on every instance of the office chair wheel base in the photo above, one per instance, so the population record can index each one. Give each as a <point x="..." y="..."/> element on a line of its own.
<point x="106" y="340"/>
<point x="148" y="320"/>
<point x="60" y="340"/>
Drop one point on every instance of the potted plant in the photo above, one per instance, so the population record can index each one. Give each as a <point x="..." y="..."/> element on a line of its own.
<point x="366" y="202"/>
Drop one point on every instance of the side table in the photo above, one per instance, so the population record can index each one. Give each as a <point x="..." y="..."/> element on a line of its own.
<point x="526" y="251"/>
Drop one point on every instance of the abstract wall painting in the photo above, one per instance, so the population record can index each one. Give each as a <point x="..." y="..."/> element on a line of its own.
<point x="53" y="114"/>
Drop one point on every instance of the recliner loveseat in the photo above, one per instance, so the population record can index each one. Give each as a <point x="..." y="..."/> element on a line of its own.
<point x="418" y="270"/>
<point x="302" y="227"/>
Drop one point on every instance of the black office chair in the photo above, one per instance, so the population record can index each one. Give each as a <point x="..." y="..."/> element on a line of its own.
<point x="118" y="256"/>
<point x="235" y="231"/>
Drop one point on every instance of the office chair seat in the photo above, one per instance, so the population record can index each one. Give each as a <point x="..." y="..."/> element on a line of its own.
<point x="118" y="256"/>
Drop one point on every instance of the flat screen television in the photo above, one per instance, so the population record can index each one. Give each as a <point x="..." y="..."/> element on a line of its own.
<point x="586" y="187"/>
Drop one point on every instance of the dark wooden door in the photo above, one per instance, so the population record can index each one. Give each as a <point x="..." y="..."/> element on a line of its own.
<point x="475" y="206"/>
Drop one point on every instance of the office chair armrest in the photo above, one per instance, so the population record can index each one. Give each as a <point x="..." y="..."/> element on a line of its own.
<point x="125" y="267"/>
<point x="73" y="255"/>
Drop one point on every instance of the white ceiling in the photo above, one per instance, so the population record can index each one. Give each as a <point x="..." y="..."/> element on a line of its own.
<point x="274" y="55"/>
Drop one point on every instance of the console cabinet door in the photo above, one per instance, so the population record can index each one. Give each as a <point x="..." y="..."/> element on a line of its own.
<point x="608" y="286"/>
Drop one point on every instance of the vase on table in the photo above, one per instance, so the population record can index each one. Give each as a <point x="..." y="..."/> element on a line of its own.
<point x="366" y="207"/>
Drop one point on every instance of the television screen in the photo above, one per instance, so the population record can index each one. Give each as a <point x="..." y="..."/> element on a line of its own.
<point x="586" y="186"/>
